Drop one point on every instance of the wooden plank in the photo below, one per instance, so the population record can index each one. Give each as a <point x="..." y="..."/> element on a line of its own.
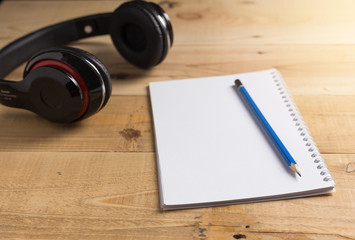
<point x="108" y="195"/>
<point x="324" y="71"/>
<point x="125" y="124"/>
<point x="251" y="22"/>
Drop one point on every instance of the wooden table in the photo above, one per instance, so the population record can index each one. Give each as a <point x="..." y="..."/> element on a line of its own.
<point x="97" y="179"/>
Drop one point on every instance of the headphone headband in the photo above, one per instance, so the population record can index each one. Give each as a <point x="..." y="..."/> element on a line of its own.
<point x="20" y="50"/>
<point x="64" y="84"/>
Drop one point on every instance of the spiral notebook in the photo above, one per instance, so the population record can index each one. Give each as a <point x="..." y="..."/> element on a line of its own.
<point x="210" y="150"/>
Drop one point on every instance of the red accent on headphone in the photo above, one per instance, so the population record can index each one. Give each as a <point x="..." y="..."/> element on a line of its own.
<point x="73" y="73"/>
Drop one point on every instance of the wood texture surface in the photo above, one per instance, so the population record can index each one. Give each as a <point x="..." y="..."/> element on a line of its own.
<point x="97" y="179"/>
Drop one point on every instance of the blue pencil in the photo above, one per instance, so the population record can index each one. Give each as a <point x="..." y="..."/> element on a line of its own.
<point x="267" y="128"/>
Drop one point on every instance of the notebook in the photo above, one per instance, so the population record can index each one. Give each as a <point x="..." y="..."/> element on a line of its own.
<point x="211" y="151"/>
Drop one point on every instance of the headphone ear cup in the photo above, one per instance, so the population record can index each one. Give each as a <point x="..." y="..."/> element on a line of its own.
<point x="85" y="71"/>
<point x="139" y="34"/>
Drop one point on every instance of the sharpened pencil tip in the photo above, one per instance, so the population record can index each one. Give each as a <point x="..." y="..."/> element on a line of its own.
<point x="295" y="168"/>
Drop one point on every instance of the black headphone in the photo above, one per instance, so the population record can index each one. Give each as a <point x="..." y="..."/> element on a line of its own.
<point x="67" y="84"/>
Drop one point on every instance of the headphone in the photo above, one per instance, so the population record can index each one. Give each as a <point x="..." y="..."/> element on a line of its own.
<point x="68" y="84"/>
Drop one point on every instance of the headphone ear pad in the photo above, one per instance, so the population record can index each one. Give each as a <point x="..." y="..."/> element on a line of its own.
<point x="99" y="66"/>
<point x="138" y="34"/>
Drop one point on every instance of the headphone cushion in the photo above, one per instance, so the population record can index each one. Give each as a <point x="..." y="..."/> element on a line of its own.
<point x="99" y="66"/>
<point x="138" y="35"/>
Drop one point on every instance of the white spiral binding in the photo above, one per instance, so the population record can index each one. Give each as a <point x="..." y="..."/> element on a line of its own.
<point x="301" y="126"/>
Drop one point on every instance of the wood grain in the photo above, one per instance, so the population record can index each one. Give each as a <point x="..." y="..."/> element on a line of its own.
<point x="109" y="194"/>
<point x="97" y="179"/>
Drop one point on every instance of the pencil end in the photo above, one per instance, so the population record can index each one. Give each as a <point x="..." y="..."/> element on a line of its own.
<point x="238" y="83"/>
<point x="299" y="174"/>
